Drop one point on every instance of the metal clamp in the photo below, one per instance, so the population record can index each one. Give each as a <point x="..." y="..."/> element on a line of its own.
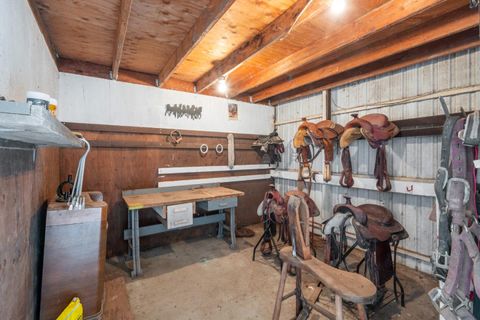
<point x="204" y="149"/>
<point x="219" y="148"/>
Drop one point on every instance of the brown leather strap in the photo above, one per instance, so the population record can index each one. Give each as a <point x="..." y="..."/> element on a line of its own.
<point x="381" y="171"/>
<point x="346" y="178"/>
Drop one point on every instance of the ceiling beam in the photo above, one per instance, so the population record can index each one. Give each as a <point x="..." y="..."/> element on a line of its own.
<point x="374" y="22"/>
<point x="443" y="47"/>
<point x="43" y="29"/>
<point x="202" y="26"/>
<point x="100" y="71"/>
<point x="125" y="9"/>
<point x="453" y="23"/>
<point x="275" y="31"/>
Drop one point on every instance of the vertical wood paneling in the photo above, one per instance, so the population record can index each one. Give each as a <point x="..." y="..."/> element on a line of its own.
<point x="412" y="157"/>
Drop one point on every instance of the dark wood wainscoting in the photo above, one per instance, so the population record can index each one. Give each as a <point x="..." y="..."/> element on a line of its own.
<point x="25" y="187"/>
<point x="125" y="158"/>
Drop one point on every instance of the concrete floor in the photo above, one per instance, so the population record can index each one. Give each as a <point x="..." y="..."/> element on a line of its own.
<point x="204" y="279"/>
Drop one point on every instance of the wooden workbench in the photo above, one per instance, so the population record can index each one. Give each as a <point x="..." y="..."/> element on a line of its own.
<point x="150" y="200"/>
<point x="208" y="199"/>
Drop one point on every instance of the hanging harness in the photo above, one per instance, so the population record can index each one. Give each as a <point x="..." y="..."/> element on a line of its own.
<point x="458" y="224"/>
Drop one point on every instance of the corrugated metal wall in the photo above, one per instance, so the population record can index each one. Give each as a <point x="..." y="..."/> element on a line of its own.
<point x="412" y="157"/>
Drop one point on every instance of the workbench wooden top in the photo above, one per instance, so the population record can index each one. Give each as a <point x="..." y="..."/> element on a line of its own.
<point x="159" y="199"/>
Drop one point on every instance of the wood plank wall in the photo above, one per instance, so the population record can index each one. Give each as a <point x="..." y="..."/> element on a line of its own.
<point x="125" y="158"/>
<point x="415" y="157"/>
<point x="25" y="186"/>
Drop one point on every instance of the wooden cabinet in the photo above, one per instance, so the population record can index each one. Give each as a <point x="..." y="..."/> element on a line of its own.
<point x="74" y="257"/>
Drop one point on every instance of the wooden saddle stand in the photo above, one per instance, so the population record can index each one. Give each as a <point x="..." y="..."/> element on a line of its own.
<point x="351" y="287"/>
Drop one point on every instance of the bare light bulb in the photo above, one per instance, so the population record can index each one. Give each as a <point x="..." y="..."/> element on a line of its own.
<point x="222" y="85"/>
<point x="338" y="6"/>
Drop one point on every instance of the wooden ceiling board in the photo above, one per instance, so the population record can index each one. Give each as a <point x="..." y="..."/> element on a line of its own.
<point x="82" y="30"/>
<point x="241" y="22"/>
<point x="369" y="26"/>
<point x="456" y="43"/>
<point x="453" y="23"/>
<point x="155" y="29"/>
<point x="309" y="32"/>
<point x="427" y="17"/>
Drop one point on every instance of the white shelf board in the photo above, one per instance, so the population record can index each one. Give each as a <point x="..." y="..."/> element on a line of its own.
<point x="418" y="187"/>
<point x="245" y="167"/>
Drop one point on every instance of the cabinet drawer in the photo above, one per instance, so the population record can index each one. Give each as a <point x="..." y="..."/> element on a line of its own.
<point x="180" y="215"/>
<point x="213" y="205"/>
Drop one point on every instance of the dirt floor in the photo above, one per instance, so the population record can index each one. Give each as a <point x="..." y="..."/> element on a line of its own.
<point x="204" y="279"/>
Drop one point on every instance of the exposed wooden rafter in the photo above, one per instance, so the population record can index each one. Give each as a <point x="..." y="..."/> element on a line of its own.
<point x="125" y="9"/>
<point x="275" y="31"/>
<point x="455" y="43"/>
<point x="100" y="71"/>
<point x="376" y="21"/>
<point x="43" y="30"/>
<point x="453" y="23"/>
<point x="204" y="23"/>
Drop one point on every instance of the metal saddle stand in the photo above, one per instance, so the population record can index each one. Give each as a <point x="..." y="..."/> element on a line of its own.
<point x="337" y="251"/>
<point x="267" y="234"/>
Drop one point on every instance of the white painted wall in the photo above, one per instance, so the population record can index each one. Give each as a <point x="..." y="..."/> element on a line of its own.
<point x="25" y="62"/>
<point x="100" y="101"/>
<point x="408" y="158"/>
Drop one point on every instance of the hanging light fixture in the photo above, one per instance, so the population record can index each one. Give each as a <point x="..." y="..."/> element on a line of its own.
<point x="222" y="86"/>
<point x="338" y="6"/>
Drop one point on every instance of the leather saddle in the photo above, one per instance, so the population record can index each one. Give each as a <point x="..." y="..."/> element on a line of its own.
<point x="271" y="147"/>
<point x="377" y="130"/>
<point x="375" y="228"/>
<point x="322" y="135"/>
<point x="372" y="223"/>
<point x="273" y="210"/>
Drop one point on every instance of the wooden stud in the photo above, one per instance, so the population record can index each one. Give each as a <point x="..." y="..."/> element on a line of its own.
<point x="298" y="290"/>
<point x="275" y="31"/>
<point x="362" y="313"/>
<point x="338" y="307"/>
<point x="327" y="104"/>
<point x="202" y="26"/>
<point x="382" y="18"/>
<point x="459" y="42"/>
<point x="459" y="21"/>
<point x="281" y="288"/>
<point x="125" y="9"/>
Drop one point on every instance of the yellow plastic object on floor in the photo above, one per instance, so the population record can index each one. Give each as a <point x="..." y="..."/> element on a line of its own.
<point x="74" y="311"/>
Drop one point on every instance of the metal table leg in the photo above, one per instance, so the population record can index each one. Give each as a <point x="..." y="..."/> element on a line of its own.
<point x="130" y="243"/>
<point x="220" y="228"/>
<point x="233" y="228"/>
<point x="137" y="270"/>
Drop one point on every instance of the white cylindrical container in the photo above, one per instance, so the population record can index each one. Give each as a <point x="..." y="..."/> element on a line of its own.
<point x="38" y="99"/>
